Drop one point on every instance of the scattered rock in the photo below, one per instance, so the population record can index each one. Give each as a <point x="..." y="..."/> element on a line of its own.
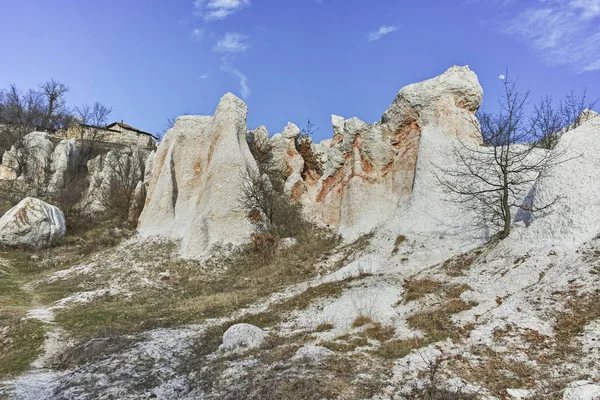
<point x="287" y="243"/>
<point x="242" y="337"/>
<point x="312" y="354"/>
<point x="32" y="223"/>
<point x="518" y="394"/>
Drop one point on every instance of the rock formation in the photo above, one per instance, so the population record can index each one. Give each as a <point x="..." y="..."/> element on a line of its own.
<point x="32" y="223"/>
<point x="287" y="159"/>
<point x="373" y="169"/>
<point x="194" y="188"/>
<point x="64" y="155"/>
<point x="370" y="170"/>
<point x="574" y="183"/>
<point x="29" y="162"/>
<point x="116" y="173"/>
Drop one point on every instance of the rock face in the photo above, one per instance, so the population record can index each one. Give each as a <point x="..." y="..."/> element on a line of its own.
<point x="194" y="188"/>
<point x="62" y="158"/>
<point x="372" y="172"/>
<point x="574" y="183"/>
<point x="30" y="162"/>
<point x="289" y="161"/>
<point x="32" y="223"/>
<point x="372" y="169"/>
<point x="111" y="173"/>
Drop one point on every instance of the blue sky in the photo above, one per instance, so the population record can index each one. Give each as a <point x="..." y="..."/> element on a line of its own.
<point x="291" y="59"/>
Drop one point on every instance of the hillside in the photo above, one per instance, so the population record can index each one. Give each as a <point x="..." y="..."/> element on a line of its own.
<point x="382" y="290"/>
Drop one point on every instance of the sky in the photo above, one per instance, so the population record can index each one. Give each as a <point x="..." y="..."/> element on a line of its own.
<point x="291" y="60"/>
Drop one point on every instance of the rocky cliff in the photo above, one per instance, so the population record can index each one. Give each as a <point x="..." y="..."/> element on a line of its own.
<point x="371" y="171"/>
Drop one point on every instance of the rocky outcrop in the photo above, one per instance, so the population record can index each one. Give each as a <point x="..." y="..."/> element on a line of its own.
<point x="112" y="177"/>
<point x="287" y="160"/>
<point x="370" y="172"/>
<point x="194" y="188"/>
<point x="572" y="186"/>
<point x="372" y="169"/>
<point x="30" y="161"/>
<point x="64" y="155"/>
<point x="32" y="223"/>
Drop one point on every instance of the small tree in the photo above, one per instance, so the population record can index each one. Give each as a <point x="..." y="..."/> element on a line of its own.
<point x="495" y="178"/>
<point x="95" y="116"/>
<point x="304" y="145"/>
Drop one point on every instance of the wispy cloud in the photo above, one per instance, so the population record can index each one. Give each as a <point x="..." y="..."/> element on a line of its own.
<point x="383" y="31"/>
<point x="203" y="76"/>
<point x="231" y="43"/>
<point x="197" y="35"/>
<point x="244" y="88"/>
<point x="562" y="32"/>
<point x="212" y="10"/>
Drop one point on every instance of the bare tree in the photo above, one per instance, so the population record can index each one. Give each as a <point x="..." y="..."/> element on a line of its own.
<point x="495" y="179"/>
<point x="550" y="121"/>
<point x="262" y="194"/>
<point x="53" y="95"/>
<point x="94" y="117"/>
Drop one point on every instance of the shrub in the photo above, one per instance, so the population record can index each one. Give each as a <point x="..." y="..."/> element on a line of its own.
<point x="265" y="244"/>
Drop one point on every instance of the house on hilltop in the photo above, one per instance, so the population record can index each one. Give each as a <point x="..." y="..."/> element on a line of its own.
<point x="118" y="133"/>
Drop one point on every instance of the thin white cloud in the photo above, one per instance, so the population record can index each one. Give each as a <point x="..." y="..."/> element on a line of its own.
<point x="203" y="76"/>
<point x="212" y="10"/>
<point x="231" y="43"/>
<point x="383" y="31"/>
<point x="197" y="35"/>
<point x="562" y="32"/>
<point x="244" y="88"/>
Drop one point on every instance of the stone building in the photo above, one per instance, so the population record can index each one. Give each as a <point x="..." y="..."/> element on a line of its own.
<point x="118" y="133"/>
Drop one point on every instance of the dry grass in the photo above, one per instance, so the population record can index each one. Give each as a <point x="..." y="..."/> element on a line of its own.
<point x="458" y="265"/>
<point x="380" y="332"/>
<point x="398" y="348"/>
<point x="415" y="289"/>
<point x="361" y="320"/>
<point x="498" y="373"/>
<point x="436" y="324"/>
<point x="323" y="327"/>
<point x="350" y="251"/>
<point x="579" y="311"/>
<point x="196" y="296"/>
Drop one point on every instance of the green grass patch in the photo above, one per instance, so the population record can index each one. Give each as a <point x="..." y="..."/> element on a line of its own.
<point x="20" y="343"/>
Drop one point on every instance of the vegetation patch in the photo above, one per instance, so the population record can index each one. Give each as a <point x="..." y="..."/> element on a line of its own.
<point x="458" y="265"/>
<point x="579" y="311"/>
<point x="399" y="240"/>
<point x="436" y="324"/>
<point x="415" y="289"/>
<point x="323" y="327"/>
<point x="361" y="320"/>
<point x="99" y="348"/>
<point x="21" y="342"/>
<point x="194" y="296"/>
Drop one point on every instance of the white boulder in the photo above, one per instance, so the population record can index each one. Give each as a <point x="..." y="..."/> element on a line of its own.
<point x="32" y="223"/>
<point x="242" y="337"/>
<point x="312" y="354"/>
<point x="582" y="390"/>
